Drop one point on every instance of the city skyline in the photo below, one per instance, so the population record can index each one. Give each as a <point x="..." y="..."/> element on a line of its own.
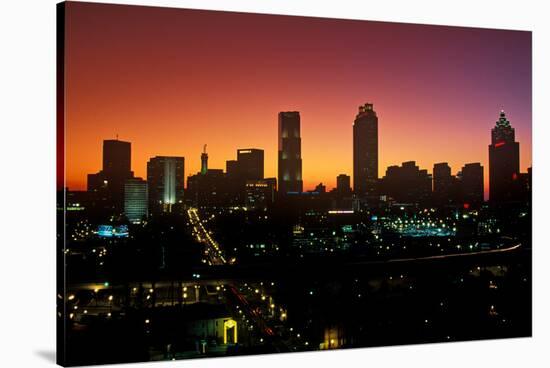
<point x="111" y="96"/>
<point x="383" y="170"/>
<point x="260" y="184"/>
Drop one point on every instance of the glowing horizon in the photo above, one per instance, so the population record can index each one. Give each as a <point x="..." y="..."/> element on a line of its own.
<point x="171" y="80"/>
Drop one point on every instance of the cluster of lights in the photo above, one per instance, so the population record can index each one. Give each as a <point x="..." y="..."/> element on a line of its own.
<point x="213" y="249"/>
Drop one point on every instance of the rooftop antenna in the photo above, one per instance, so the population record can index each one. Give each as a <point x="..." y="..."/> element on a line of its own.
<point x="204" y="149"/>
<point x="117" y="136"/>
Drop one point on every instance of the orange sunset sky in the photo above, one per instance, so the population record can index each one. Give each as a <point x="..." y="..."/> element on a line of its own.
<point x="172" y="80"/>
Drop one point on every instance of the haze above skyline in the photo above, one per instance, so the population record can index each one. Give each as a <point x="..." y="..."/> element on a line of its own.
<point x="172" y="80"/>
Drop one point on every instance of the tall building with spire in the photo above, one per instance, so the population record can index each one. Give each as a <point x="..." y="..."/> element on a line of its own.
<point x="503" y="161"/>
<point x="290" y="153"/>
<point x="204" y="161"/>
<point x="365" y="150"/>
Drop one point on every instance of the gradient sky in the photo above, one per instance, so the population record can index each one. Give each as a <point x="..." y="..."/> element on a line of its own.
<point x="171" y="80"/>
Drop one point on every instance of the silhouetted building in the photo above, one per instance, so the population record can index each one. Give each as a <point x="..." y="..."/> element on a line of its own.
<point x="248" y="166"/>
<point x="407" y="183"/>
<point x="166" y="178"/>
<point x="232" y="168"/>
<point x="522" y="186"/>
<point x="250" y="163"/>
<point x="209" y="189"/>
<point x="503" y="161"/>
<point x="442" y="180"/>
<point x="320" y="188"/>
<point x="341" y="196"/>
<point x="343" y="184"/>
<point x="365" y="151"/>
<point x="108" y="184"/>
<point x="290" y="156"/>
<point x="260" y="194"/>
<point x="204" y="161"/>
<point x="446" y="187"/>
<point x="472" y="184"/>
<point x="116" y="157"/>
<point x="135" y="200"/>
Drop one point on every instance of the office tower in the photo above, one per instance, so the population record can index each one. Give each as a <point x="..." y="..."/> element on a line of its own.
<point x="343" y="184"/>
<point x="231" y="168"/>
<point x="250" y="163"/>
<point x="365" y="151"/>
<point x="135" y="200"/>
<point x="209" y="189"/>
<point x="503" y="161"/>
<point x="260" y="194"/>
<point x="472" y="184"/>
<point x="290" y="156"/>
<point x="248" y="166"/>
<point x="166" y="177"/>
<point x="442" y="183"/>
<point x="407" y="183"/>
<point x="116" y="157"/>
<point x="108" y="184"/>
<point x="204" y="161"/>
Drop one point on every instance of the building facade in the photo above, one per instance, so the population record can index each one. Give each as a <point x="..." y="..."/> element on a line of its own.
<point x="472" y="184"/>
<point x="407" y="183"/>
<point x="365" y="151"/>
<point x="503" y="161"/>
<point x="166" y="178"/>
<point x="260" y="194"/>
<point x="136" y="201"/>
<point x="250" y="163"/>
<point x="108" y="184"/>
<point x="290" y="153"/>
<point x="343" y="184"/>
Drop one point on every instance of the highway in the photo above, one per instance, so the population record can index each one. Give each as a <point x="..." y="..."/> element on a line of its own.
<point x="212" y="250"/>
<point x="215" y="257"/>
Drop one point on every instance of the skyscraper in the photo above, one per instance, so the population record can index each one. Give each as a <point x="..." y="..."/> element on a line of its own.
<point x="442" y="183"/>
<point x="472" y="184"/>
<point x="135" y="199"/>
<point x="260" y="194"/>
<point x="109" y="182"/>
<point x="365" y="151"/>
<point x="407" y="183"/>
<point x="250" y="163"/>
<point x="290" y="155"/>
<point x="116" y="157"/>
<point x="343" y="184"/>
<point x="166" y="177"/>
<point x="503" y="161"/>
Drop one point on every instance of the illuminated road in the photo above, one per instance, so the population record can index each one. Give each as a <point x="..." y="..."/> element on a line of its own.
<point x="255" y="316"/>
<point x="215" y="257"/>
<point x="212" y="250"/>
